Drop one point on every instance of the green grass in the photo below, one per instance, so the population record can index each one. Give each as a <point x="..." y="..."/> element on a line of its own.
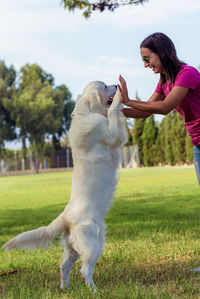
<point x="153" y="237"/>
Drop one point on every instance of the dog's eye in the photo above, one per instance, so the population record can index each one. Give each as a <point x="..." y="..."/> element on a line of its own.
<point x="105" y="86"/>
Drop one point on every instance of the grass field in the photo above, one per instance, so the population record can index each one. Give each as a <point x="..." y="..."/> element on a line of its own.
<point x="153" y="237"/>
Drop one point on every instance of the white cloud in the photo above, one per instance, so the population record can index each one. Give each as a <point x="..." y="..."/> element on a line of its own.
<point x="27" y="24"/>
<point x="42" y="31"/>
<point x="20" y="19"/>
<point x="39" y="17"/>
<point x="77" y="74"/>
<point x="151" y="13"/>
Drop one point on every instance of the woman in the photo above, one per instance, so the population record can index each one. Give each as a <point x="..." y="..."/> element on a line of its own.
<point x="178" y="88"/>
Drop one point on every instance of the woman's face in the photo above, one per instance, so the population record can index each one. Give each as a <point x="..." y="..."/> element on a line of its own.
<point x="152" y="60"/>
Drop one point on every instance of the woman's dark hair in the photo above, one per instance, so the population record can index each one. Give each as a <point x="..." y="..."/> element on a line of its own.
<point x="162" y="45"/>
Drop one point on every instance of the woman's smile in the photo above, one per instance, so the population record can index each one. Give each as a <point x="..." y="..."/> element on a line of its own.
<point x="151" y="60"/>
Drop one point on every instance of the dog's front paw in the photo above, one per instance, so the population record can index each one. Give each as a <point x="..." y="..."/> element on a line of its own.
<point x="116" y="103"/>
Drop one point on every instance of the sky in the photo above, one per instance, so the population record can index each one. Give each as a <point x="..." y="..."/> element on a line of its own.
<point x="77" y="51"/>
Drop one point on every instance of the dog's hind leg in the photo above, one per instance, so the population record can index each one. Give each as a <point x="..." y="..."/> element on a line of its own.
<point x="71" y="256"/>
<point x="92" y="240"/>
<point x="89" y="260"/>
<point x="87" y="239"/>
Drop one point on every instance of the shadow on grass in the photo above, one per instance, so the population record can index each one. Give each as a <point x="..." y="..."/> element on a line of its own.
<point x="16" y="221"/>
<point x="127" y="217"/>
<point x="170" y="214"/>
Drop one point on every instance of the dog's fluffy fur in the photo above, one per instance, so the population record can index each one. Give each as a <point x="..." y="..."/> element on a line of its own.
<point x="96" y="135"/>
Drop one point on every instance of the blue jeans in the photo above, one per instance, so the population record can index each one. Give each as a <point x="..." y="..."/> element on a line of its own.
<point x="196" y="153"/>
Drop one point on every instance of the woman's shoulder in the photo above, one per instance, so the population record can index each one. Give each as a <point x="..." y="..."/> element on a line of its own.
<point x="188" y="72"/>
<point x="188" y="77"/>
<point x="189" y="68"/>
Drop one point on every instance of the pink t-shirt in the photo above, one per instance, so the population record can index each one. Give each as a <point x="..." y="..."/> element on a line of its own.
<point x="189" y="108"/>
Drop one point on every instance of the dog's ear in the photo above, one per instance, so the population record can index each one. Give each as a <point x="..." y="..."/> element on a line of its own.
<point x="76" y="106"/>
<point x="85" y="105"/>
<point x="94" y="101"/>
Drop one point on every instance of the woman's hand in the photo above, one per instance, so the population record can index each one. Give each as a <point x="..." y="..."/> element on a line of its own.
<point x="123" y="91"/>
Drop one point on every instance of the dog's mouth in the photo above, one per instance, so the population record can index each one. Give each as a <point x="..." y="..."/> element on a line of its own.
<point x="110" y="100"/>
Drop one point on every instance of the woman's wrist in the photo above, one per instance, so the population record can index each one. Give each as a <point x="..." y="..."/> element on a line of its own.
<point x="130" y="103"/>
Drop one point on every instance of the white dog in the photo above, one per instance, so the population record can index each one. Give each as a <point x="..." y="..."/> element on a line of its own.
<point x="96" y="135"/>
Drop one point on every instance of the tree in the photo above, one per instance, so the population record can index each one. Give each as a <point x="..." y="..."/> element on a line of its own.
<point x="33" y="108"/>
<point x="100" y="5"/>
<point x="159" y="156"/>
<point x="178" y="138"/>
<point x="39" y="109"/>
<point x="63" y="109"/>
<point x="138" y="128"/>
<point x="32" y="73"/>
<point x="149" y="139"/>
<point x="7" y="91"/>
<point x="189" y="149"/>
<point x="169" y="155"/>
<point x="137" y="136"/>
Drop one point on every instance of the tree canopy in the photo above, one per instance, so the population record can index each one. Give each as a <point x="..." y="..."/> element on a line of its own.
<point x="101" y="5"/>
<point x="7" y="90"/>
<point x="32" y="108"/>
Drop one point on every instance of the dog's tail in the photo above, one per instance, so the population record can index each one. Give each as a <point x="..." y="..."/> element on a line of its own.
<point x="40" y="237"/>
